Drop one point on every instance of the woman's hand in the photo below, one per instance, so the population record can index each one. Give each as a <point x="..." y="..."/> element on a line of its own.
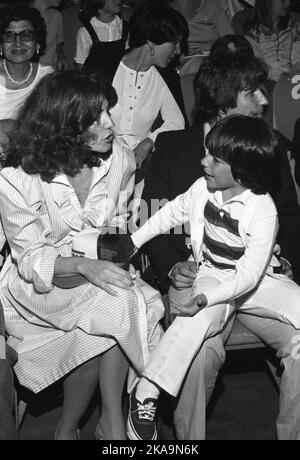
<point x="142" y="151"/>
<point x="195" y="305"/>
<point x="102" y="273"/>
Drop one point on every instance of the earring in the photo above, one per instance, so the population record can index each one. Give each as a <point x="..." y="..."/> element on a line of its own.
<point x="152" y="52"/>
<point x="1" y="52"/>
<point x="37" y="50"/>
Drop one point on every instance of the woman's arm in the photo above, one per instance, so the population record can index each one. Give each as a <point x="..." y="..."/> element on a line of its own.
<point x="176" y="212"/>
<point x="101" y="273"/>
<point x="83" y="47"/>
<point x="27" y="230"/>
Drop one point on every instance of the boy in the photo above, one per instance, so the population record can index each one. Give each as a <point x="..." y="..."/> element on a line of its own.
<point x="233" y="223"/>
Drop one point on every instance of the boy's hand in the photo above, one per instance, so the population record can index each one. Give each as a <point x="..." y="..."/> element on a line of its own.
<point x="183" y="275"/>
<point x="197" y="304"/>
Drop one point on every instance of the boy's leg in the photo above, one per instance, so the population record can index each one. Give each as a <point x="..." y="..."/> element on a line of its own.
<point x="170" y="362"/>
<point x="174" y="354"/>
<point x="285" y="339"/>
<point x="198" y="386"/>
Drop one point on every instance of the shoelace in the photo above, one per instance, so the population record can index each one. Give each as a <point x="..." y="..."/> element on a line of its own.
<point x="146" y="411"/>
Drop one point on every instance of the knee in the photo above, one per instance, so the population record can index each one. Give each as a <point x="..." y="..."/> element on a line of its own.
<point x="214" y="354"/>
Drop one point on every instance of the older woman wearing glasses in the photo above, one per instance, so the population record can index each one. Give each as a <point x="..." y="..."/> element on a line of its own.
<point x="22" y="41"/>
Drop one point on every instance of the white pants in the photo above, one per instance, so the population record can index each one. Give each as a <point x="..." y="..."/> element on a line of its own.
<point x="262" y="313"/>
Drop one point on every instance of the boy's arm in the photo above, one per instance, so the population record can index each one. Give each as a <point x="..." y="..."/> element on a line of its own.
<point x="174" y="213"/>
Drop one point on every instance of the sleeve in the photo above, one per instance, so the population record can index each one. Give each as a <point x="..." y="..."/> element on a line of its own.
<point x="28" y="233"/>
<point x="170" y="112"/>
<point x="260" y="239"/>
<point x="83" y="45"/>
<point x="129" y="165"/>
<point x="174" y="213"/>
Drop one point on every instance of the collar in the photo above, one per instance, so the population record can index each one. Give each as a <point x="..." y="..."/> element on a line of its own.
<point x="242" y="198"/>
<point x="98" y="173"/>
<point x="95" y="21"/>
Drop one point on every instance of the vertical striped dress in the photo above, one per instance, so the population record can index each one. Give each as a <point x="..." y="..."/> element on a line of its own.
<point x="55" y="330"/>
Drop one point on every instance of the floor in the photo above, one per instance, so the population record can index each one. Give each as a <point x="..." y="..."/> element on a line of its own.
<point x="244" y="406"/>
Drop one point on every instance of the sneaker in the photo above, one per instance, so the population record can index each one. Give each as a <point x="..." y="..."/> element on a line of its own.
<point x="141" y="424"/>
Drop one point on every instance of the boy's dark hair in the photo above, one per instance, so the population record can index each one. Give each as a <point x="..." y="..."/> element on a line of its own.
<point x="219" y="81"/>
<point x="157" y="22"/>
<point x="249" y="146"/>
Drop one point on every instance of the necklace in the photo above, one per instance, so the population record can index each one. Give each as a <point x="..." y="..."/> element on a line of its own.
<point x="16" y="82"/>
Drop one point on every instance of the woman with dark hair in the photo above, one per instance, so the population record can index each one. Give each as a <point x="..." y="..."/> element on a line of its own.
<point x="156" y="31"/>
<point x="22" y="42"/>
<point x="275" y="36"/>
<point x="64" y="177"/>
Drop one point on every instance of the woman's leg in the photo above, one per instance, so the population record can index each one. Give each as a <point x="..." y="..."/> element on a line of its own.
<point x="79" y="387"/>
<point x="113" y="371"/>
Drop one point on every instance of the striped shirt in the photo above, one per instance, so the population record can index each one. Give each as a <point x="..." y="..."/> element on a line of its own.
<point x="222" y="243"/>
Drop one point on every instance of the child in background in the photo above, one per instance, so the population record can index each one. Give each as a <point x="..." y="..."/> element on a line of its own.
<point x="233" y="223"/>
<point x="106" y="26"/>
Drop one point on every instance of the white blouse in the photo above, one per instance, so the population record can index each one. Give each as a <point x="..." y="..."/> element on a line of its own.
<point x="12" y="99"/>
<point x="141" y="97"/>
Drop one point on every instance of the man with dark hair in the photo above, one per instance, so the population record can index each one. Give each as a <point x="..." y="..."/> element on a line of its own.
<point x="223" y="87"/>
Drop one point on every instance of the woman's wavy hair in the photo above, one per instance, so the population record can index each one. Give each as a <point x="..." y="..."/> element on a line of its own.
<point x="157" y="22"/>
<point x="51" y="132"/>
<point x="219" y="81"/>
<point x="22" y="12"/>
<point x="263" y="17"/>
<point x="249" y="146"/>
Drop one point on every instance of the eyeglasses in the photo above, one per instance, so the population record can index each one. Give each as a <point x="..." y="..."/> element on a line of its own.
<point x="25" y="36"/>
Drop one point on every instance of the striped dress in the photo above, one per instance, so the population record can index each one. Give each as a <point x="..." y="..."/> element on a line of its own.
<point x="55" y="330"/>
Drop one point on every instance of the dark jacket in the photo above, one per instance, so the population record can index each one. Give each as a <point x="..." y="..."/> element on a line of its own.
<point x="176" y="165"/>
